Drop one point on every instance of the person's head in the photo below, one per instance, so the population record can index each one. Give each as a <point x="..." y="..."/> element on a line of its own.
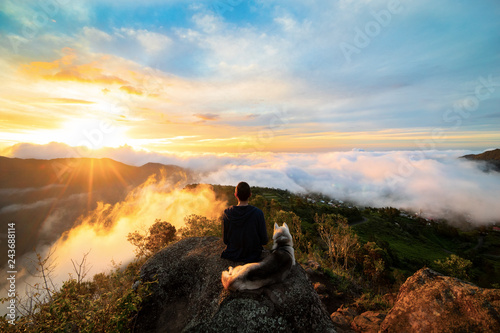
<point x="242" y="191"/>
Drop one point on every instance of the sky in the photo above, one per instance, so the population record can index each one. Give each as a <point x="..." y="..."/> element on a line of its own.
<point x="235" y="76"/>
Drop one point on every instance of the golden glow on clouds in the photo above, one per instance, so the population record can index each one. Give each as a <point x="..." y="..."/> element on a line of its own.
<point x="65" y="69"/>
<point x="77" y="98"/>
<point x="104" y="230"/>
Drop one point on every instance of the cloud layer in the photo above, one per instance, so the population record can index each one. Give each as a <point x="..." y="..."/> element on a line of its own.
<point x="437" y="183"/>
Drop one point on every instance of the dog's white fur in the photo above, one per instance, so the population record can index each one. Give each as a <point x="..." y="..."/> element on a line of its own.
<point x="272" y="269"/>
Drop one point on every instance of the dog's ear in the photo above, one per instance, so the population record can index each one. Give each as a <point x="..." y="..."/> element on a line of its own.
<point x="276" y="226"/>
<point x="285" y="225"/>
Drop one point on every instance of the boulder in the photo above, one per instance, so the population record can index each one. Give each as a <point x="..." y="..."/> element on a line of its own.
<point x="187" y="296"/>
<point x="342" y="319"/>
<point x="431" y="302"/>
<point x="368" y="322"/>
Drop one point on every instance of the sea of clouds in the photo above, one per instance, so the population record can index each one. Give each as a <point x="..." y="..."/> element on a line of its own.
<point x="437" y="183"/>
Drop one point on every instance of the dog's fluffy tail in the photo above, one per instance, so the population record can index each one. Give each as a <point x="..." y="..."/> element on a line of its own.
<point x="227" y="278"/>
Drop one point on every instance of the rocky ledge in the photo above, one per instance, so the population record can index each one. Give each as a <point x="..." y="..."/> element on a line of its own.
<point x="187" y="296"/>
<point x="431" y="302"/>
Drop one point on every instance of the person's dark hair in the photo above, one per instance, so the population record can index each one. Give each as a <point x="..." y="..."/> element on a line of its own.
<point x="243" y="191"/>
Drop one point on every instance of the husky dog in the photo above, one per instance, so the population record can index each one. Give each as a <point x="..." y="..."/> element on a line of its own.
<point x="272" y="269"/>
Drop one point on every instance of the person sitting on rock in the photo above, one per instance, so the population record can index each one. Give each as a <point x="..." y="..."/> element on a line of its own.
<point x="244" y="228"/>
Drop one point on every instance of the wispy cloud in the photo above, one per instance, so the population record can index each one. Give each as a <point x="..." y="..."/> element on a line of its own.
<point x="66" y="101"/>
<point x="65" y="69"/>
<point x="131" y="90"/>
<point x="207" y="116"/>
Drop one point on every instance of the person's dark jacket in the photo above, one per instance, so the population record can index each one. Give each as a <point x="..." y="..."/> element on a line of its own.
<point x="244" y="233"/>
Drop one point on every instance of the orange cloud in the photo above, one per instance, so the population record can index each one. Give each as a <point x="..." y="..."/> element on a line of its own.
<point x="66" y="69"/>
<point x="67" y="101"/>
<point x="207" y="116"/>
<point x="131" y="90"/>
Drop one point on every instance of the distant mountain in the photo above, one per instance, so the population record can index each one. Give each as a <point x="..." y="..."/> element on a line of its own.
<point x="75" y="172"/>
<point x="46" y="197"/>
<point x="490" y="157"/>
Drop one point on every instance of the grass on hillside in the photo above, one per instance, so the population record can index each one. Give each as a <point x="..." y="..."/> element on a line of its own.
<point x="414" y="241"/>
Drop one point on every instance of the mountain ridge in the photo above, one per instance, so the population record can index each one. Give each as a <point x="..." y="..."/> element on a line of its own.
<point x="489" y="155"/>
<point x="491" y="158"/>
<point x="58" y="170"/>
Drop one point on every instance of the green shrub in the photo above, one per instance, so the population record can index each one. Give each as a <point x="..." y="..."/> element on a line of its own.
<point x="371" y="302"/>
<point x="108" y="303"/>
<point x="454" y="266"/>
<point x="159" y="235"/>
<point x="201" y="226"/>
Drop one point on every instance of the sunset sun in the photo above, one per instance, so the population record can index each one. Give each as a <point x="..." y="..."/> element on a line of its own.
<point x="92" y="133"/>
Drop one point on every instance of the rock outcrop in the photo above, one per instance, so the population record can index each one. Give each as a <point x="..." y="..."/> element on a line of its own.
<point x="187" y="296"/>
<point x="342" y="319"/>
<point x="346" y="320"/>
<point x="368" y="322"/>
<point x="431" y="302"/>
